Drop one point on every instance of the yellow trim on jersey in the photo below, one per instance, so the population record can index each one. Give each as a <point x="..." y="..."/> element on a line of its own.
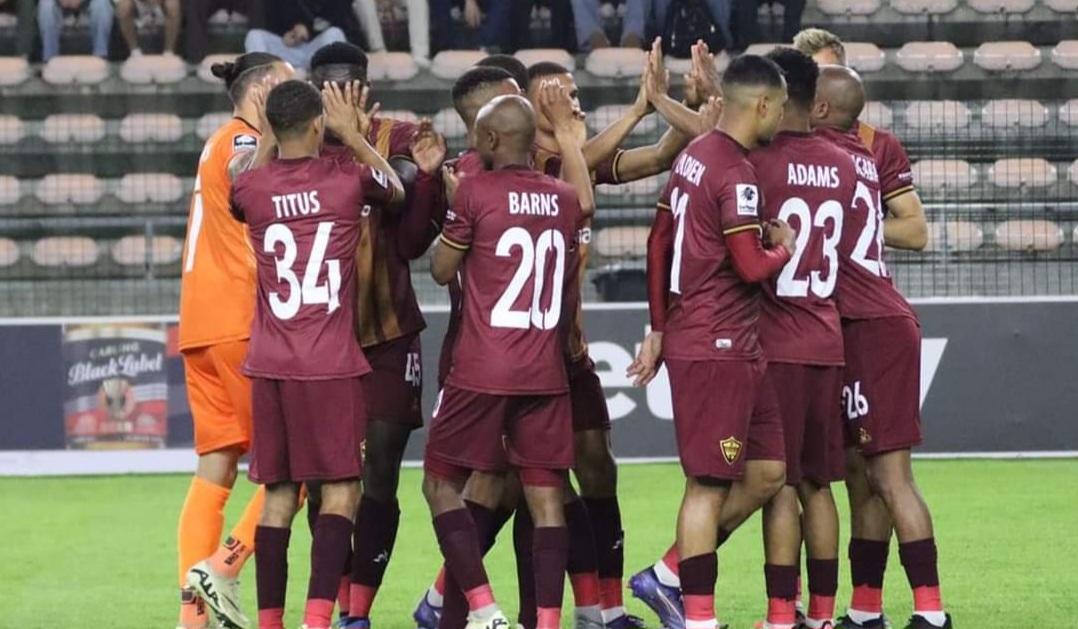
<point x="742" y="228"/>
<point x="381" y="142"/>
<point x="897" y="193"/>
<point x="662" y="206"/>
<point x="614" y="166"/>
<point x="455" y="245"/>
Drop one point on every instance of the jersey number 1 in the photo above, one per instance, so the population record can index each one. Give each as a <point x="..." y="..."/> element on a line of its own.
<point x="533" y="258"/>
<point x="310" y="292"/>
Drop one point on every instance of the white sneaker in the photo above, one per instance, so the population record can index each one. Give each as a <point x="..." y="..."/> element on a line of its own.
<point x="220" y="593"/>
<point x="497" y="620"/>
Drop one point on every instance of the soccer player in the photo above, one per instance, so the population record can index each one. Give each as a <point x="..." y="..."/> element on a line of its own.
<point x="808" y="182"/>
<point x="706" y="259"/>
<point x="492" y="414"/>
<point x="217" y="301"/>
<point x="390" y="323"/>
<point x="304" y="214"/>
<point x="881" y="383"/>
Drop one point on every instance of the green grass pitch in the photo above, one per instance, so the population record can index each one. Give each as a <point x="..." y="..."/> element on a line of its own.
<point x="100" y="552"/>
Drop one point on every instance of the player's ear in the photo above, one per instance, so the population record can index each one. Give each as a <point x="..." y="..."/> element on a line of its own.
<point x="820" y="109"/>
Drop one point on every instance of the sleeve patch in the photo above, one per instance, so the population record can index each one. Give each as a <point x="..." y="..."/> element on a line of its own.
<point x="244" y="142"/>
<point x="748" y="199"/>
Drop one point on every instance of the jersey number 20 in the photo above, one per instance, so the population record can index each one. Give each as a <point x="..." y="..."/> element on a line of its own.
<point x="533" y="260"/>
<point x="310" y="292"/>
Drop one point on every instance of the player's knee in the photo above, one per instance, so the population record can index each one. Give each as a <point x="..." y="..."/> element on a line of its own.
<point x="485" y="489"/>
<point x="380" y="479"/>
<point x="340" y="498"/>
<point x="443" y="494"/>
<point x="219" y="467"/>
<point x="280" y="505"/>
<point x="596" y="471"/>
<point x="767" y="477"/>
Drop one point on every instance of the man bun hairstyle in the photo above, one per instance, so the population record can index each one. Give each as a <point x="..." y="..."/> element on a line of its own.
<point x="515" y="67"/>
<point x="238" y="75"/>
<point x="291" y="106"/>
<point x="801" y="73"/>
<point x="752" y="71"/>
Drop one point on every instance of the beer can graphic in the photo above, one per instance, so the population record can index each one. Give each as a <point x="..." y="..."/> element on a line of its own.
<point x="117" y="391"/>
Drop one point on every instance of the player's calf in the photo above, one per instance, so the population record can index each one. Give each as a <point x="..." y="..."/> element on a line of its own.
<point x="820" y="528"/>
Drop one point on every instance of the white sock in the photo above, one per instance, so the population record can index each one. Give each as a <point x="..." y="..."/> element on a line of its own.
<point x="666" y="576"/>
<point x="434" y="597"/>
<point x="861" y="617"/>
<point x="711" y="623"/>
<point x="612" y="614"/>
<point x="936" y="618"/>
<point x="818" y="623"/>
<point x="484" y="614"/>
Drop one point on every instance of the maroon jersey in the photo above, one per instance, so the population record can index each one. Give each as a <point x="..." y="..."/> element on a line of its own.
<point x="866" y="288"/>
<point x="713" y="192"/>
<point x="892" y="163"/>
<point x="519" y="228"/>
<point x="807" y="182"/>
<point x="304" y="220"/>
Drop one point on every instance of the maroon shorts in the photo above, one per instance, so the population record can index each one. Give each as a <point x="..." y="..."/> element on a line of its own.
<point x="808" y="398"/>
<point x="881" y="389"/>
<point x="486" y="432"/>
<point x="586" y="393"/>
<point x="725" y="413"/>
<point x="306" y="430"/>
<point x="394" y="388"/>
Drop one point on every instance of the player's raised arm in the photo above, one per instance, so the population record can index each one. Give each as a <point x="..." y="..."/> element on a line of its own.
<point x="422" y="219"/>
<point x="558" y="108"/>
<point x="346" y="117"/>
<point x="699" y="113"/>
<point x="605" y="144"/>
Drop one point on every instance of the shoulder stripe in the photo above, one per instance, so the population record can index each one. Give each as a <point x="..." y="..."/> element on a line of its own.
<point x="384" y="135"/>
<point x="455" y="245"/>
<point x="662" y="206"/>
<point x="897" y="193"/>
<point x="742" y="228"/>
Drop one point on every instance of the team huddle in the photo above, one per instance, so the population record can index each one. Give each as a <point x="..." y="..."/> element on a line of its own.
<point x="793" y="360"/>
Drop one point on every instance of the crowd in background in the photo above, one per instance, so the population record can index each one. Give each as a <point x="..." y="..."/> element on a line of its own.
<point x="293" y="29"/>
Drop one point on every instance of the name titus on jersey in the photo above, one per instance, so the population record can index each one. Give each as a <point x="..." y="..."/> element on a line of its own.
<point x="812" y="175"/>
<point x="690" y="168"/>
<point x="296" y="204"/>
<point x="533" y="203"/>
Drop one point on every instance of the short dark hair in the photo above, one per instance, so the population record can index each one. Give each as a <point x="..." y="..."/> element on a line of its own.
<point x="801" y="73"/>
<point x="291" y="106"/>
<point x="515" y="67"/>
<point x="544" y="69"/>
<point x="339" y="59"/>
<point x="476" y="78"/>
<point x="238" y="75"/>
<point x="752" y="71"/>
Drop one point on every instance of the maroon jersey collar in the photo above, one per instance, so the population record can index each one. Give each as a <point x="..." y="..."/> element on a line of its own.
<point x="729" y="138"/>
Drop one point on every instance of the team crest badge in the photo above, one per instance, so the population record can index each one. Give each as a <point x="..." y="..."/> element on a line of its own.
<point x="864" y="437"/>
<point x="731" y="449"/>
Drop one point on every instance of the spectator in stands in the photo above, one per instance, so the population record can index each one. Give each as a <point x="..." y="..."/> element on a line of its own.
<point x="295" y="29"/>
<point x="50" y="21"/>
<point x="747" y="21"/>
<point x="561" y="25"/>
<point x="131" y="13"/>
<point x="635" y="27"/>
<point x="196" y="18"/>
<point x="23" y="10"/>
<point x="589" y="26"/>
<point x="492" y="24"/>
<point x="418" y="27"/>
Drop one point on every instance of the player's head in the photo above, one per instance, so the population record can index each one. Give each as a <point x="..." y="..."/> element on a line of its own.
<point x="801" y="73"/>
<point x="550" y="71"/>
<point x="515" y="67"/>
<point x="754" y="92"/>
<point x="477" y="87"/>
<point x="504" y="130"/>
<point x="251" y="69"/>
<point x="824" y="47"/>
<point x="339" y="62"/>
<point x="840" y="97"/>
<point x="295" y="113"/>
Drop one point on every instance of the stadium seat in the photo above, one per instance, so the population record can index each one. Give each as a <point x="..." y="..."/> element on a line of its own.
<point x="65" y="251"/>
<point x="938" y="114"/>
<point x="1065" y="54"/>
<point x="142" y="250"/>
<point x="932" y="56"/>
<point x="878" y="115"/>
<point x="146" y="69"/>
<point x="622" y="242"/>
<point x="1072" y="172"/>
<point x="13" y="71"/>
<point x="448" y="123"/>
<point x="138" y="128"/>
<point x="149" y="188"/>
<point x="532" y="56"/>
<point x="1013" y="112"/>
<point x="1062" y="6"/>
<point x="760" y="49"/>
<point x="1029" y="235"/>
<point x="606" y="115"/>
<point x="616" y="62"/>
<point x="1022" y="172"/>
<point x="1007" y="55"/>
<point x="865" y="57"/>
<point x="954" y="236"/>
<point x="391" y="66"/>
<point x="941" y="174"/>
<point x="10" y="190"/>
<point x="848" y="7"/>
<point x="1001" y="6"/>
<point x="9" y="252"/>
<point x="450" y="64"/>
<point x="401" y="115"/>
<point x="922" y="7"/>
<point x="60" y="189"/>
<point x="65" y="128"/>
<point x="8" y="20"/>
<point x="1068" y="113"/>
<point x="12" y="130"/>
<point x="204" y="71"/>
<point x="82" y="70"/>
<point x="210" y="123"/>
